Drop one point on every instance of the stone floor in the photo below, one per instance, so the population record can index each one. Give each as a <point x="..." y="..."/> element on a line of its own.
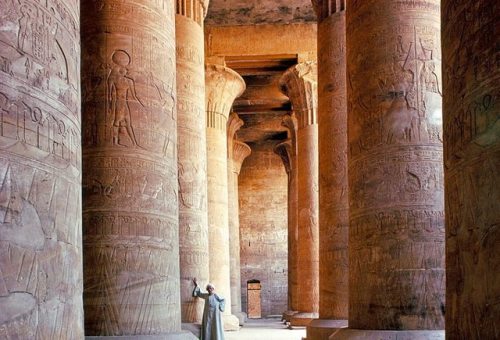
<point x="266" y="329"/>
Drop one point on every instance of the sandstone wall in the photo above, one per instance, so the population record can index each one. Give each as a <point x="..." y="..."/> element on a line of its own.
<point x="263" y="227"/>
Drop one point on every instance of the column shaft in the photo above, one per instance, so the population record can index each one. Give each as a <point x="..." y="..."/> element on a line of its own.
<point x="130" y="205"/>
<point x="40" y="171"/>
<point x="192" y="159"/>
<point x="471" y="88"/>
<point x="223" y="85"/>
<point x="236" y="157"/>
<point x="396" y="232"/>
<point x="299" y="83"/>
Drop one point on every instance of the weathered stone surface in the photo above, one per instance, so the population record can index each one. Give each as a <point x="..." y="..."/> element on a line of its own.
<point x="299" y="83"/>
<point x="471" y="88"/>
<point x="237" y="152"/>
<point x="250" y="12"/>
<point x="396" y="232"/>
<point x="192" y="160"/>
<point x="263" y="227"/>
<point x="359" y="334"/>
<point x="332" y="148"/>
<point x="40" y="171"/>
<point x="130" y="205"/>
<point x="223" y="85"/>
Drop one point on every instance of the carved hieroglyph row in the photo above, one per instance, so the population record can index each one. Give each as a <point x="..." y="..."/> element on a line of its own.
<point x="130" y="163"/>
<point x="396" y="238"/>
<point x="471" y="116"/>
<point x="40" y="176"/>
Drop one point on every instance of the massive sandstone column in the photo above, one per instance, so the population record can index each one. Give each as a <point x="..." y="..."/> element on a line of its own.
<point x="223" y="85"/>
<point x="237" y="152"/>
<point x="396" y="229"/>
<point x="192" y="159"/>
<point x="333" y="182"/>
<point x="130" y="210"/>
<point x="287" y="151"/>
<point x="471" y="88"/>
<point x="40" y="171"/>
<point x="299" y="83"/>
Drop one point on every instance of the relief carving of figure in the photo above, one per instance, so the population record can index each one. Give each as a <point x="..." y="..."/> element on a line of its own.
<point x="25" y="29"/>
<point x="121" y="90"/>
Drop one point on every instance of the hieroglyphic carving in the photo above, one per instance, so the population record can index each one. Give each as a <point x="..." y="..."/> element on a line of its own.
<point x="471" y="118"/>
<point x="130" y="201"/>
<point x="299" y="83"/>
<point x="332" y="147"/>
<point x="223" y="85"/>
<point x="396" y="189"/>
<point x="40" y="170"/>
<point x="192" y="159"/>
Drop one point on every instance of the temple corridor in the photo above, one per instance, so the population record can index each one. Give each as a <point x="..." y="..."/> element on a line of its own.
<point x="331" y="167"/>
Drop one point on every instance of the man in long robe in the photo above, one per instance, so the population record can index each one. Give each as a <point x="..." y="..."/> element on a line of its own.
<point x="211" y="326"/>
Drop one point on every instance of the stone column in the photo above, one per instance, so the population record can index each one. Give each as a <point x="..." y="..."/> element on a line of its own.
<point x="396" y="221"/>
<point x="40" y="171"/>
<point x="130" y="206"/>
<point x="333" y="183"/>
<point x="223" y="85"/>
<point x="240" y="151"/>
<point x="237" y="152"/>
<point x="287" y="150"/>
<point x="299" y="83"/>
<point x="472" y="167"/>
<point x="192" y="158"/>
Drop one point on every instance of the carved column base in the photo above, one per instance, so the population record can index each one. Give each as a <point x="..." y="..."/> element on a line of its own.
<point x="194" y="328"/>
<point x="242" y="317"/>
<point x="169" y="336"/>
<point x="320" y="329"/>
<point x="302" y="319"/>
<point x="287" y="316"/>
<point x="231" y="323"/>
<point x="362" y="334"/>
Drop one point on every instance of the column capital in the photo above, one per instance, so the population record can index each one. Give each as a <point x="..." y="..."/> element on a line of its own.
<point x="286" y="152"/>
<point x="234" y="123"/>
<point x="325" y="8"/>
<point x="240" y="152"/>
<point x="195" y="10"/>
<point x="223" y="86"/>
<point x="300" y="84"/>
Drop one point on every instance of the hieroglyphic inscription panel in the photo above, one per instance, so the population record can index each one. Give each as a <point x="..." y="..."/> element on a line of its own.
<point x="40" y="170"/>
<point x="192" y="160"/>
<point x="396" y="236"/>
<point x="130" y="199"/>
<point x="332" y="146"/>
<point x="471" y="115"/>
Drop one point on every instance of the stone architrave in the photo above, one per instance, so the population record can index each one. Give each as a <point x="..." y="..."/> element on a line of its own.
<point x="223" y="85"/>
<point x="333" y="182"/>
<point x="395" y="170"/>
<point x="130" y="184"/>
<point x="287" y="151"/>
<point x="299" y="83"/>
<point x="40" y="171"/>
<point x="192" y="159"/>
<point x="471" y="112"/>
<point x="237" y="152"/>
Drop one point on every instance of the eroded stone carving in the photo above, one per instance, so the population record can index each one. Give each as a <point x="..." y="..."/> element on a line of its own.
<point x="333" y="181"/>
<point x="40" y="170"/>
<point x="396" y="232"/>
<point x="130" y="206"/>
<point x="472" y="155"/>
